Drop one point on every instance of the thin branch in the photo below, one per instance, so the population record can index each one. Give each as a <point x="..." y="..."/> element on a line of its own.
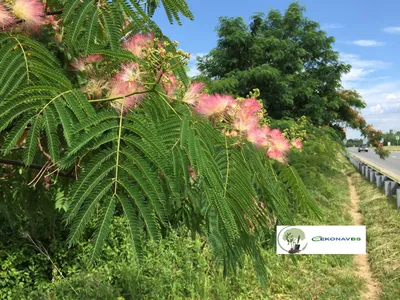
<point x="119" y="97"/>
<point x="39" y="246"/>
<point x="42" y="150"/>
<point x="53" y="13"/>
<point x="4" y="161"/>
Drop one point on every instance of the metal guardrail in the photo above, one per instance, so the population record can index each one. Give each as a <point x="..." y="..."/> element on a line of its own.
<point x="383" y="181"/>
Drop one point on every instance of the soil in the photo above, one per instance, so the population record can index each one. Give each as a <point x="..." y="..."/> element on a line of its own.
<point x="372" y="289"/>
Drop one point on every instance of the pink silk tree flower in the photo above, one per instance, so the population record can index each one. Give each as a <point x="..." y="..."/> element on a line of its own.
<point x="212" y="104"/>
<point x="129" y="73"/>
<point x="248" y="108"/>
<point x="259" y="136"/>
<point x="193" y="93"/>
<point x="244" y="125"/>
<point x="79" y="65"/>
<point x="137" y="43"/>
<point x="297" y="144"/>
<point x="256" y="136"/>
<point x="277" y="155"/>
<point x="279" y="141"/>
<point x="6" y="19"/>
<point x="31" y="12"/>
<point x="94" y="58"/>
<point x="169" y="84"/>
<point x="119" y="88"/>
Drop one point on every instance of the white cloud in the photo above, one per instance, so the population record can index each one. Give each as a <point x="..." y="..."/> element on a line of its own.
<point x="356" y="74"/>
<point x="361" y="70"/>
<point x="383" y="105"/>
<point x="192" y="64"/>
<point x="331" y="26"/>
<point x="392" y="97"/>
<point x="377" y="109"/>
<point x="368" y="43"/>
<point x="357" y="62"/>
<point x="392" y="30"/>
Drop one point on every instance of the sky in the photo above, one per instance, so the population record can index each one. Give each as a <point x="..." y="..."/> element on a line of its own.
<point x="367" y="34"/>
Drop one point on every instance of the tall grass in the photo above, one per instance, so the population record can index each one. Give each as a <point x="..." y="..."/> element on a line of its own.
<point x="382" y="220"/>
<point x="181" y="268"/>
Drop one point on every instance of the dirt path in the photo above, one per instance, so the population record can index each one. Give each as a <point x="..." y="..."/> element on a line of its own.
<point x="372" y="289"/>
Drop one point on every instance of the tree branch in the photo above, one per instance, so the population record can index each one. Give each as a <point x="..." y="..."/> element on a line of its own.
<point x="32" y="166"/>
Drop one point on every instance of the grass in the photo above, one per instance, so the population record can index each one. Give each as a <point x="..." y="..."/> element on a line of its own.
<point x="178" y="267"/>
<point x="392" y="148"/>
<point x="314" y="276"/>
<point x="382" y="219"/>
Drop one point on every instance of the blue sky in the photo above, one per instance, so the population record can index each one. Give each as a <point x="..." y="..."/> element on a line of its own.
<point x="367" y="34"/>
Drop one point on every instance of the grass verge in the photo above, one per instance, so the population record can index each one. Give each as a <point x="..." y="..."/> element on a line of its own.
<point x="383" y="236"/>
<point x="392" y="148"/>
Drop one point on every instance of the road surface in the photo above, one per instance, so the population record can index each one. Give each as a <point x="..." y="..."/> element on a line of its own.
<point x="391" y="164"/>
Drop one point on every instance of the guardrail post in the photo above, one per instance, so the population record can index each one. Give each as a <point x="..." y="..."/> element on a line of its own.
<point x="398" y="197"/>
<point x="385" y="177"/>
<point x="372" y="176"/>
<point x="367" y="170"/>
<point x="393" y="186"/>
<point x="378" y="181"/>
<point x="390" y="188"/>
<point x="387" y="188"/>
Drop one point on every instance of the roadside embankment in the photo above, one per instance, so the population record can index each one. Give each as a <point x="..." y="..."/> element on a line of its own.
<point x="382" y="220"/>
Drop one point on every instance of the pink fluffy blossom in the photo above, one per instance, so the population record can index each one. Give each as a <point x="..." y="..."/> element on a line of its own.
<point x="213" y="104"/>
<point x="31" y="12"/>
<point x="6" y="19"/>
<point x="169" y="84"/>
<point x="244" y="125"/>
<point x="119" y="88"/>
<point x="193" y="93"/>
<point x="94" y="58"/>
<point x="248" y="108"/>
<point x="137" y="43"/>
<point x="297" y="144"/>
<point x="79" y="65"/>
<point x="258" y="136"/>
<point x="279" y="141"/>
<point x="275" y="154"/>
<point x="126" y="82"/>
<point x="53" y="22"/>
<point x="129" y="73"/>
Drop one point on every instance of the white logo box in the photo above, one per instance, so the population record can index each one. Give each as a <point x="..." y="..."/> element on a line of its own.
<point x="321" y="240"/>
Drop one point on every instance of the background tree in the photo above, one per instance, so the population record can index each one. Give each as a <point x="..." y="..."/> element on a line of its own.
<point x="291" y="60"/>
<point x="288" y="57"/>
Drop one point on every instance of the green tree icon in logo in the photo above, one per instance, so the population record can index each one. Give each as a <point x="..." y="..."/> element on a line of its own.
<point x="293" y="237"/>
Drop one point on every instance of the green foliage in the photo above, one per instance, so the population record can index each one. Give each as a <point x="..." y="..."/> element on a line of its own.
<point x="289" y="58"/>
<point x="354" y="142"/>
<point x="390" y="137"/>
<point x="179" y="267"/>
<point x="158" y="165"/>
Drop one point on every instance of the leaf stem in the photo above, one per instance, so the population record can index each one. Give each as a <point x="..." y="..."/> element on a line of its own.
<point x="26" y="60"/>
<point x="227" y="167"/>
<point x="118" y="146"/>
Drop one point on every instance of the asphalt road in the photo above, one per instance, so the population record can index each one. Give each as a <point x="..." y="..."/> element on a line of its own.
<point x="391" y="164"/>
